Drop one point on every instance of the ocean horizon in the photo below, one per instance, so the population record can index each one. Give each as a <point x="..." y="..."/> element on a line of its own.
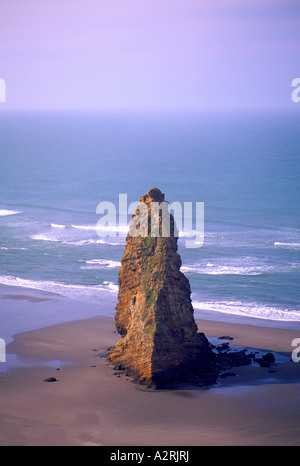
<point x="244" y="167"/>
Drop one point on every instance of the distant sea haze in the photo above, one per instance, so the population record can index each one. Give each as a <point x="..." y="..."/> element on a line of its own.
<point x="244" y="167"/>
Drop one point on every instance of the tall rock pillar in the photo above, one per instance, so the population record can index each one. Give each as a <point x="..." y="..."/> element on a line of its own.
<point x="159" y="345"/>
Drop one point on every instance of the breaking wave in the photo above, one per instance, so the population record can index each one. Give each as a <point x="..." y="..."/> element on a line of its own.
<point x="74" y="242"/>
<point x="117" y="228"/>
<point x="100" y="264"/>
<point x="251" y="309"/>
<point x="5" y="212"/>
<point x="214" y="269"/>
<point x="68" y="290"/>
<point x="287" y="245"/>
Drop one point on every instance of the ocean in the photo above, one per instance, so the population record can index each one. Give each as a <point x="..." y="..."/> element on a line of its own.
<point x="244" y="166"/>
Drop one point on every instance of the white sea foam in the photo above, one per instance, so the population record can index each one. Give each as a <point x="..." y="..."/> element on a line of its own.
<point x="107" y="228"/>
<point x="55" y="225"/>
<point x="100" y="264"/>
<point x="5" y="212"/>
<point x="4" y="248"/>
<point x="287" y="245"/>
<point x="114" y="288"/>
<point x="90" y="241"/>
<point x="69" y="290"/>
<point x="255" y="310"/>
<point x="43" y="237"/>
<point x="106" y="262"/>
<point x="78" y="227"/>
<point x="62" y="240"/>
<point x="214" y="269"/>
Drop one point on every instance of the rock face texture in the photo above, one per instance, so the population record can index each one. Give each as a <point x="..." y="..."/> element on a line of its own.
<point x="159" y="345"/>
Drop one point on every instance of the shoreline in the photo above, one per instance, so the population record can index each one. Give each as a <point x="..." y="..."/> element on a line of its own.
<point x="18" y="298"/>
<point x="90" y="404"/>
<point x="25" y="309"/>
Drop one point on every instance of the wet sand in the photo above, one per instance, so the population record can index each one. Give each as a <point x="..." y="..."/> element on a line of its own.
<point x="90" y="404"/>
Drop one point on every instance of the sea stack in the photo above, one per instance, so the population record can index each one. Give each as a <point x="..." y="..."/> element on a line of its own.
<point x="160" y="345"/>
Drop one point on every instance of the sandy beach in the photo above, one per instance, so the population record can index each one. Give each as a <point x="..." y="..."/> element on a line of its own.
<point x="89" y="404"/>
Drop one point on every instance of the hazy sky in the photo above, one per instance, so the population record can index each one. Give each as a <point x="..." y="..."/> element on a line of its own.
<point x="169" y="54"/>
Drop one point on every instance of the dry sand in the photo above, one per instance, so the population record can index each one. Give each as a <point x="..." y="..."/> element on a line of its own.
<point x="90" y="405"/>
